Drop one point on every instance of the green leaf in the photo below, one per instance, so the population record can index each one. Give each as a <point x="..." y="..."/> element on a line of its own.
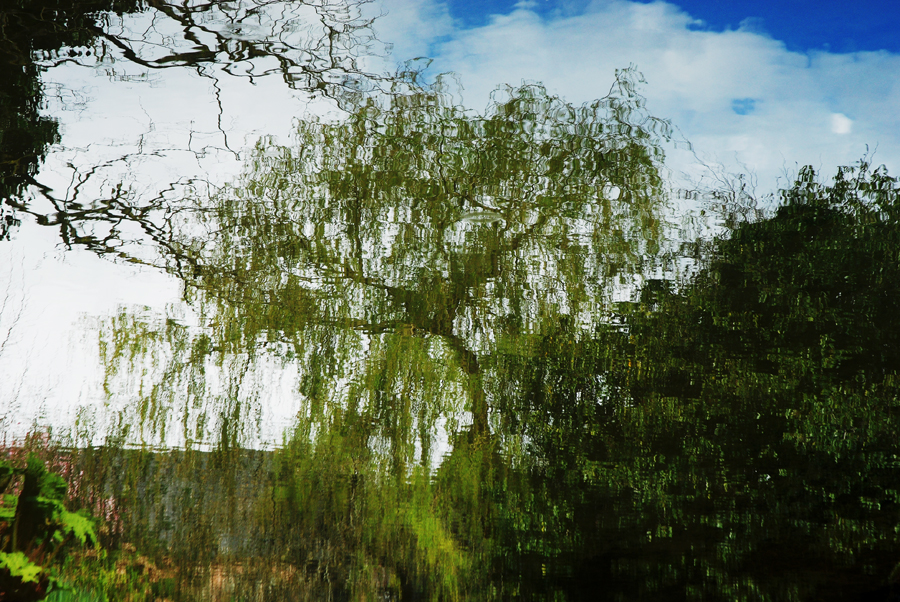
<point x="78" y="525"/>
<point x="20" y="566"/>
<point x="8" y="507"/>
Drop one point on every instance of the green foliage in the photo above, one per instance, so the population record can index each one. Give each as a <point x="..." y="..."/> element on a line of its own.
<point x="337" y="507"/>
<point x="79" y="526"/>
<point x="41" y="518"/>
<point x="8" y="507"/>
<point x="20" y="566"/>
<point x="67" y="595"/>
<point x="98" y="575"/>
<point x="38" y="531"/>
<point x="722" y="428"/>
<point x="7" y="472"/>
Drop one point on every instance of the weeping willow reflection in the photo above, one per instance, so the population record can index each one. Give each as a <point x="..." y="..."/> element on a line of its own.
<point x="389" y="259"/>
<point x="417" y="232"/>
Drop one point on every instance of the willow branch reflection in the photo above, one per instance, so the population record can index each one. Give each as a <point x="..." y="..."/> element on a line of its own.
<point x="414" y="218"/>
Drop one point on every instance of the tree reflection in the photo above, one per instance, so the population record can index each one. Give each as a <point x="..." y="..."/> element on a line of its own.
<point x="416" y="221"/>
<point x="478" y="419"/>
<point x="313" y="46"/>
<point x="733" y="441"/>
<point x="390" y="259"/>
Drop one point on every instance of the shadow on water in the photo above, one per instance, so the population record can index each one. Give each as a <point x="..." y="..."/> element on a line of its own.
<point x="506" y="387"/>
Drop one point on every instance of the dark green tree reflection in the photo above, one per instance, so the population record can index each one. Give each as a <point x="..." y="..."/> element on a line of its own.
<point x="737" y="438"/>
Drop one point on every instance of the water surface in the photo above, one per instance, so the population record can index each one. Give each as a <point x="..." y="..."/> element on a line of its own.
<point x="502" y="365"/>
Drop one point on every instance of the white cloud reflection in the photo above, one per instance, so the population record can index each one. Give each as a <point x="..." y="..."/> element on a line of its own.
<point x="841" y="124"/>
<point x="740" y="97"/>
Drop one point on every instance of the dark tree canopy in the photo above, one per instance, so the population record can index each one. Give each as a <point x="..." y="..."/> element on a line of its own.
<point x="735" y="437"/>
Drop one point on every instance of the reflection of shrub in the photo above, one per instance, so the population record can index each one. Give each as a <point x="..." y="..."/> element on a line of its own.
<point x="20" y="578"/>
<point x="35" y="529"/>
<point x="82" y="494"/>
<point x="41" y="524"/>
<point x="39" y="484"/>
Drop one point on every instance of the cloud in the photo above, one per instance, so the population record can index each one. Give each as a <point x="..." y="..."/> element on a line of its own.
<point x="411" y="27"/>
<point x="841" y="124"/>
<point x="740" y="97"/>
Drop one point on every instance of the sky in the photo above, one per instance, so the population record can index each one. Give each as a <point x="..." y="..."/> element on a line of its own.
<point x="760" y="88"/>
<point x="757" y="88"/>
<point x="803" y="25"/>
